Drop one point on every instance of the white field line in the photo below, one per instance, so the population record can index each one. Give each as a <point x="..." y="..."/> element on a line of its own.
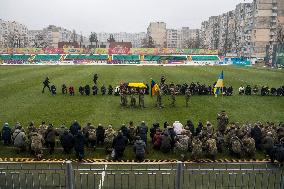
<point x="103" y="178"/>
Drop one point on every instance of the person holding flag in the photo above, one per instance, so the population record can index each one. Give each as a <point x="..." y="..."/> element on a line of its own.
<point x="156" y="90"/>
<point x="219" y="85"/>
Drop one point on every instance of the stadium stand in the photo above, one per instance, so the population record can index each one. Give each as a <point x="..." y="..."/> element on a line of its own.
<point x="86" y="57"/>
<point x="158" y="58"/>
<point x="23" y="57"/>
<point x="205" y="58"/>
<point x="47" y="57"/>
<point x="126" y="57"/>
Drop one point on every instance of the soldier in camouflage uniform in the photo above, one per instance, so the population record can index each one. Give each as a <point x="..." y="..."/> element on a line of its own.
<point x="141" y="98"/>
<point x="132" y="130"/>
<point x="182" y="143"/>
<point x="187" y="96"/>
<point x="42" y="129"/>
<point x="173" y="98"/>
<point x="109" y="136"/>
<point x="124" y="97"/>
<point x="209" y="128"/>
<point x="223" y="121"/>
<point x="219" y="142"/>
<point x="92" y="137"/>
<point x="248" y="146"/>
<point x="236" y="146"/>
<point x="30" y="129"/>
<point x="196" y="148"/>
<point x="230" y="132"/>
<point x="37" y="144"/>
<point x="159" y="99"/>
<point x="211" y="147"/>
<point x="133" y="99"/>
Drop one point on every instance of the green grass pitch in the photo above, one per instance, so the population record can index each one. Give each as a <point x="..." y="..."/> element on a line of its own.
<point x="21" y="98"/>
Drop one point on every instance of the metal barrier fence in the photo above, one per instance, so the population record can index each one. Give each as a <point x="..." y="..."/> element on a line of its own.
<point x="140" y="175"/>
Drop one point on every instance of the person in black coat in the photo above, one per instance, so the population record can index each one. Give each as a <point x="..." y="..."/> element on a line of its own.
<point x="6" y="134"/>
<point x="119" y="143"/>
<point x="79" y="142"/>
<point x="199" y="128"/>
<point x="81" y="90"/>
<point x="172" y="134"/>
<point x="46" y="84"/>
<point x="166" y="124"/>
<point x="87" y="90"/>
<point x="147" y="89"/>
<point x="95" y="78"/>
<point x="67" y="141"/>
<point x="110" y="90"/>
<point x="95" y="90"/>
<point x="189" y="125"/>
<point x="74" y="128"/>
<point x="64" y="89"/>
<point x="100" y="132"/>
<point x="103" y="90"/>
<point x="153" y="131"/>
<point x="53" y="90"/>
<point x="125" y="132"/>
<point x="256" y="134"/>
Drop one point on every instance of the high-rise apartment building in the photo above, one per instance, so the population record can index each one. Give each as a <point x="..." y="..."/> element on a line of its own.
<point x="158" y="32"/>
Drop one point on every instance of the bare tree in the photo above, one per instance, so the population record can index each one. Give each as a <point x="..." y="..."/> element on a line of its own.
<point x="280" y="34"/>
<point x="94" y="38"/>
<point x="111" y="38"/>
<point x="74" y="36"/>
<point x="40" y="41"/>
<point x="192" y="43"/>
<point x="148" y="42"/>
<point x="12" y="40"/>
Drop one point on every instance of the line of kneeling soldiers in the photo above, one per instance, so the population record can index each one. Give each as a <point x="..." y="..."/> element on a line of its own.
<point x="83" y="90"/>
<point x="241" y="141"/>
<point x="264" y="91"/>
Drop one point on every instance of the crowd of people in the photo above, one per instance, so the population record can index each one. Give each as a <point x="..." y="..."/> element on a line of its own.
<point x="263" y="91"/>
<point x="185" y="140"/>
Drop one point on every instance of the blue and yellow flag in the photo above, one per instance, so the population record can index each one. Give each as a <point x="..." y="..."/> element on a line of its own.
<point x="219" y="84"/>
<point x="154" y="88"/>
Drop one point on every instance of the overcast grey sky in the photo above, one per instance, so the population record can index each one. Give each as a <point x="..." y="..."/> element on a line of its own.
<point x="112" y="15"/>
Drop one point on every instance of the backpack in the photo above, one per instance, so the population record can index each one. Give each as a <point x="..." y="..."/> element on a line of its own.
<point x="36" y="143"/>
<point x="139" y="148"/>
<point x="109" y="136"/>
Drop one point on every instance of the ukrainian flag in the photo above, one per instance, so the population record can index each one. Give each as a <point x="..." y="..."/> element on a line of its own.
<point x="154" y="88"/>
<point x="219" y="84"/>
